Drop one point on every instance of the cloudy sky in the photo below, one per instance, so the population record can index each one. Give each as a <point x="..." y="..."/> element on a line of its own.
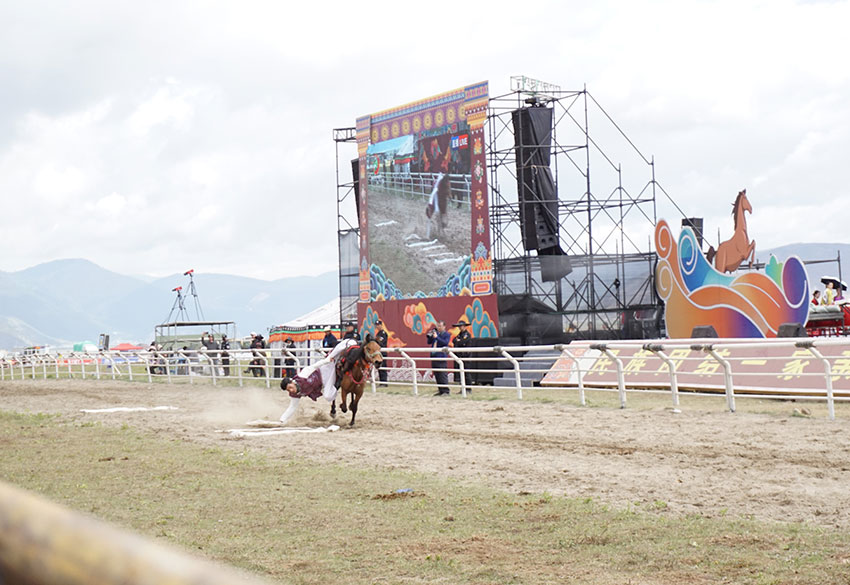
<point x="155" y="137"/>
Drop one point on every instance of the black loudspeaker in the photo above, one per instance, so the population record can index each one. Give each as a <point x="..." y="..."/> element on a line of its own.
<point x="554" y="265"/>
<point x="694" y="223"/>
<point x="791" y="330"/>
<point x="702" y="331"/>
<point x="538" y="202"/>
<point x="529" y="320"/>
<point x="355" y="175"/>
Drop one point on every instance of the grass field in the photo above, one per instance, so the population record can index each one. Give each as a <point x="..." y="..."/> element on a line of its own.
<point x="300" y="521"/>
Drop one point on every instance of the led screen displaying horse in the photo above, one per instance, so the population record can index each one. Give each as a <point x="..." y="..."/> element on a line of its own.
<point x="424" y="217"/>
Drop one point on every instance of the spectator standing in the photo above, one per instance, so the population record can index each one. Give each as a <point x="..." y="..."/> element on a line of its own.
<point x="351" y="332"/>
<point x="257" y="363"/>
<point x="154" y="367"/>
<point x="462" y="339"/>
<point x="382" y="337"/>
<point x="289" y="362"/>
<point x="816" y="297"/>
<point x="213" y="348"/>
<point x="225" y="355"/>
<point x="330" y="340"/>
<point x="438" y="338"/>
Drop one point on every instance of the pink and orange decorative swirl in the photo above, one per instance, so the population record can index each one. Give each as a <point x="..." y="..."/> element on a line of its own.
<point x="750" y="304"/>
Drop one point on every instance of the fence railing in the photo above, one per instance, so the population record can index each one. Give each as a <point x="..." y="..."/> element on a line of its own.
<point x="791" y="369"/>
<point x="420" y="184"/>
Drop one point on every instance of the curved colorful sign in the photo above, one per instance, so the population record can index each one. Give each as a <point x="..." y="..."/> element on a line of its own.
<point x="750" y="304"/>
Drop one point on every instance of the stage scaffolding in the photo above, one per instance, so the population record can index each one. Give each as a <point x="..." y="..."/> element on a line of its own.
<point x="605" y="225"/>
<point x="348" y="230"/>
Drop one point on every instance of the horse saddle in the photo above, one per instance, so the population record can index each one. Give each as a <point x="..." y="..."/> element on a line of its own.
<point x="343" y="363"/>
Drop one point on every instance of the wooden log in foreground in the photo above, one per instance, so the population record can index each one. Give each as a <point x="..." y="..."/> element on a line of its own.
<point x="42" y="543"/>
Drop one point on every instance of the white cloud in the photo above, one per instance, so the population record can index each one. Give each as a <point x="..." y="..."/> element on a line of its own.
<point x="152" y="137"/>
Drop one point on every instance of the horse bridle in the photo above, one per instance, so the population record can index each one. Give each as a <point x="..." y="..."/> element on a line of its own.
<point x="372" y="355"/>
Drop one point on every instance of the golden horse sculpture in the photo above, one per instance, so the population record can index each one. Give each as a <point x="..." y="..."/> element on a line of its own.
<point x="736" y="249"/>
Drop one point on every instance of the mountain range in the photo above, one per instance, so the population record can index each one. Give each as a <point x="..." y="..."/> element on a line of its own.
<point x="66" y="301"/>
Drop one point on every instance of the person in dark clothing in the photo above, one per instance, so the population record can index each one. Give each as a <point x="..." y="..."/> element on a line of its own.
<point x="462" y="339"/>
<point x="438" y="338"/>
<point x="289" y="362"/>
<point x="351" y="332"/>
<point x="213" y="347"/>
<point x="225" y="355"/>
<point x="330" y="340"/>
<point x="382" y="338"/>
<point x="256" y="365"/>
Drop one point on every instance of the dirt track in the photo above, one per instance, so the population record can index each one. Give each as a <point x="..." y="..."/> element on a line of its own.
<point x="777" y="468"/>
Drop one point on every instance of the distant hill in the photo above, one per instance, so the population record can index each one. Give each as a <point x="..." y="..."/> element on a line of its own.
<point x="820" y="259"/>
<point x="66" y="301"/>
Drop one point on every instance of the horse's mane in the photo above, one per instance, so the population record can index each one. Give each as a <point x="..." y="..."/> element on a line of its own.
<point x="358" y="352"/>
<point x="736" y="206"/>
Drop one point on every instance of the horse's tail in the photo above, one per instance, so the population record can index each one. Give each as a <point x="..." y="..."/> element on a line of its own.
<point x="710" y="254"/>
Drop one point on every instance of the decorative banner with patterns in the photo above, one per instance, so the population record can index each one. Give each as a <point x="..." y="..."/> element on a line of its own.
<point x="777" y="367"/>
<point x="748" y="304"/>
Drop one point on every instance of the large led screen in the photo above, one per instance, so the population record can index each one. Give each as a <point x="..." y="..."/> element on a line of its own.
<point x="424" y="216"/>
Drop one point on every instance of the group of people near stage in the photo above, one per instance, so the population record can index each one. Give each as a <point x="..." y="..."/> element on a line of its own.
<point x="832" y="295"/>
<point x="439" y="338"/>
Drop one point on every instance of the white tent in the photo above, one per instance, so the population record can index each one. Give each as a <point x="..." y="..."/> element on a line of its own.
<point x="327" y="314"/>
<point x="309" y="326"/>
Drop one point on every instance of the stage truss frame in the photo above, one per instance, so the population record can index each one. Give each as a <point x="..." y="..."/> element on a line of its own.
<point x="348" y="228"/>
<point x="611" y="292"/>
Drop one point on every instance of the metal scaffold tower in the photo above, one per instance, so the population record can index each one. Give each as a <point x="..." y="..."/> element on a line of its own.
<point x="348" y="230"/>
<point x="604" y="222"/>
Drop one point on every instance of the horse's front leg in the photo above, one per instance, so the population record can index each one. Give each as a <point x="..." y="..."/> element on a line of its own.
<point x="355" y="398"/>
<point x="751" y="252"/>
<point x="342" y="400"/>
<point x="333" y="409"/>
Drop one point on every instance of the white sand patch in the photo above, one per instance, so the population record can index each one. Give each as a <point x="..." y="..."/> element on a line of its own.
<point x="128" y="409"/>
<point x="261" y="432"/>
<point x="420" y="244"/>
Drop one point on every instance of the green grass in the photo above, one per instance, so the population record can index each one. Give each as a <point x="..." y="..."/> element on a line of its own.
<point x="307" y="523"/>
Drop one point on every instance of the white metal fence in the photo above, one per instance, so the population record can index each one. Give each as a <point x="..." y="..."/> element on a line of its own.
<point x="517" y="368"/>
<point x="420" y="184"/>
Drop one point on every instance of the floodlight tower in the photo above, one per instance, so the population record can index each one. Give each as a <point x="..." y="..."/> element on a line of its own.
<point x="199" y="313"/>
<point x="178" y="305"/>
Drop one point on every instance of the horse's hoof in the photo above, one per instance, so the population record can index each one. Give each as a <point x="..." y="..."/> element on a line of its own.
<point x="343" y="408"/>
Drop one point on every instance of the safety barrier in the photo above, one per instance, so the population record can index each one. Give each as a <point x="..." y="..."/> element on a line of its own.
<point x="814" y="369"/>
<point x="44" y="543"/>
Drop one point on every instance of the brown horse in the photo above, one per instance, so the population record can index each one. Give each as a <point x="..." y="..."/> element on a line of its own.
<point x="736" y="249"/>
<point x="355" y="378"/>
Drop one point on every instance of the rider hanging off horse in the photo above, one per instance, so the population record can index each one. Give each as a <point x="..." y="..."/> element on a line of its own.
<point x="731" y="253"/>
<point x="345" y="369"/>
